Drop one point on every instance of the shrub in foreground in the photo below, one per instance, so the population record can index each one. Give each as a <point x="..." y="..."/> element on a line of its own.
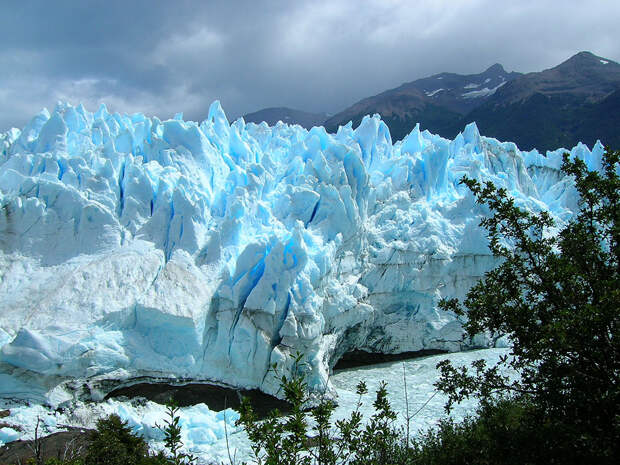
<point x="557" y="297"/>
<point x="310" y="436"/>
<point x="114" y="443"/>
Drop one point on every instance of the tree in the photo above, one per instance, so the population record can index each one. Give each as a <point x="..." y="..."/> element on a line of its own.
<point x="556" y="296"/>
<point x="172" y="437"/>
<point x="114" y="443"/>
<point x="308" y="436"/>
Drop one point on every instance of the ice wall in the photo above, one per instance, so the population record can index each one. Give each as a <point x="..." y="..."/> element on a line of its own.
<point x="131" y="246"/>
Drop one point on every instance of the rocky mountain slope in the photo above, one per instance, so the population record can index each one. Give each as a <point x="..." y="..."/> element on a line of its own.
<point x="577" y="100"/>
<point x="438" y="102"/>
<point x="287" y="115"/>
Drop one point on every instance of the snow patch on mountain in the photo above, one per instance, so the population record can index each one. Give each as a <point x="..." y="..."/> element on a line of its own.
<point x="484" y="92"/>
<point x="430" y="94"/>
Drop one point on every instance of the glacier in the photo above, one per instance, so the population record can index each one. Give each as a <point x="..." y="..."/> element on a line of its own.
<point x="134" y="248"/>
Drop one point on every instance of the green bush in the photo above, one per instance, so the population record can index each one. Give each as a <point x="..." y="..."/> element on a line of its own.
<point x="172" y="437"/>
<point x="55" y="461"/>
<point x="501" y="432"/>
<point x="557" y="297"/>
<point x="293" y="439"/>
<point x="113" y="443"/>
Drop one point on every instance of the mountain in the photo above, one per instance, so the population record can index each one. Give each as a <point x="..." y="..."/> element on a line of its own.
<point x="135" y="250"/>
<point x="287" y="115"/>
<point x="438" y="102"/>
<point x="575" y="101"/>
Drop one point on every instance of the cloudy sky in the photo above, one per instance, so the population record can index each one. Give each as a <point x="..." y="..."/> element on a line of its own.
<point x="163" y="57"/>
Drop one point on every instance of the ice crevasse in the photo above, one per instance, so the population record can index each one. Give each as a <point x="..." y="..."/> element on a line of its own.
<point x="133" y="247"/>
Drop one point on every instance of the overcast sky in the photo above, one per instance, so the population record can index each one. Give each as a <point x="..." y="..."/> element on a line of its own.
<point x="163" y="57"/>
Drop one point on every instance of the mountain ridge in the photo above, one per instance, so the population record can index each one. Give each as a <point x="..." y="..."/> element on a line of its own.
<point x="287" y="115"/>
<point x="557" y="107"/>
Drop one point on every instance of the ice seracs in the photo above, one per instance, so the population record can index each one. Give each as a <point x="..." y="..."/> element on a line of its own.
<point x="132" y="246"/>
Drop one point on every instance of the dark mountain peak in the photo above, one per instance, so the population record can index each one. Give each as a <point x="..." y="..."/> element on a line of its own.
<point x="584" y="60"/>
<point x="287" y="115"/>
<point x="584" y="56"/>
<point x="576" y="100"/>
<point x="436" y="101"/>
<point x="583" y="77"/>
<point x="495" y="69"/>
<point x="581" y="55"/>
<point x="279" y="109"/>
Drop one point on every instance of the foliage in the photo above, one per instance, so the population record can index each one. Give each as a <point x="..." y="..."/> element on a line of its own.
<point x="55" y="461"/>
<point x="172" y="441"/>
<point x="556" y="296"/>
<point x="501" y="432"/>
<point x="113" y="443"/>
<point x="285" y="439"/>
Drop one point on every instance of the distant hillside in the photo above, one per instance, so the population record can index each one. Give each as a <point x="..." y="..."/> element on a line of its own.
<point x="286" y="115"/>
<point x="578" y="100"/>
<point x="438" y="102"/>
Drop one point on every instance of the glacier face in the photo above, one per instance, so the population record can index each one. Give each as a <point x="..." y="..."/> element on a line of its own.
<point x="131" y="246"/>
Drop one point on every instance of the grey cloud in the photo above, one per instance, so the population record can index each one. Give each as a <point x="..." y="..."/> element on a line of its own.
<point x="165" y="57"/>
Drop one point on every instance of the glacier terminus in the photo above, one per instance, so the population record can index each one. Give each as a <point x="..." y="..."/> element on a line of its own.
<point x="134" y="248"/>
